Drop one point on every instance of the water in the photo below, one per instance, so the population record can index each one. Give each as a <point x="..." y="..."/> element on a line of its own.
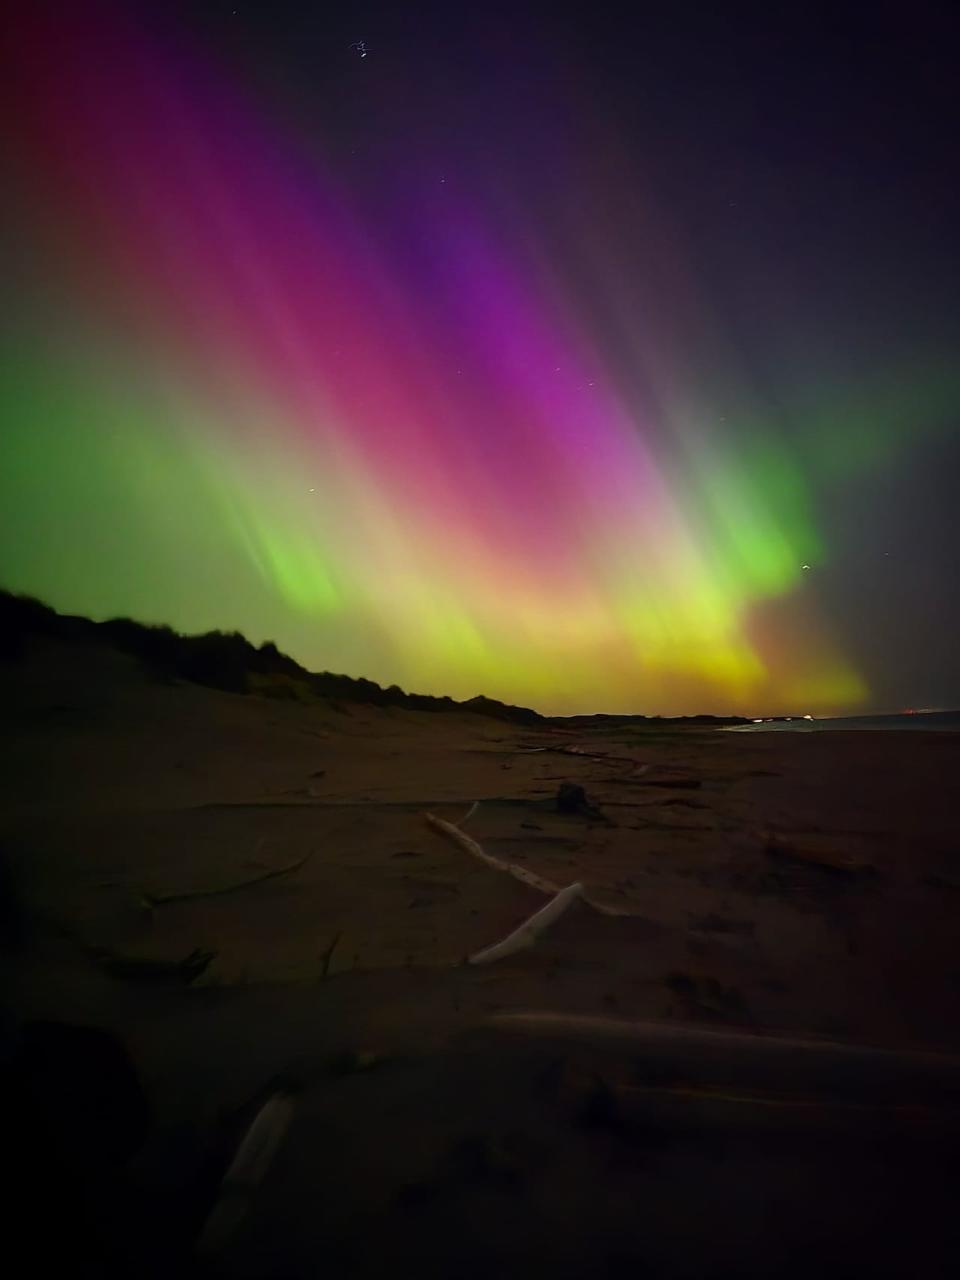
<point x="939" y="720"/>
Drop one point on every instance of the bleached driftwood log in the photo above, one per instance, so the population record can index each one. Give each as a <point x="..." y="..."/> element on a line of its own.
<point x="531" y="929"/>
<point x="510" y="868"/>
<point x="527" y="933"/>
<point x="247" y="1170"/>
<point x="530" y="878"/>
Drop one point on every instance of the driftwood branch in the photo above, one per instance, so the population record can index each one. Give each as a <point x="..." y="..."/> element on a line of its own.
<point x="581" y="753"/>
<point x="328" y="955"/>
<point x="161" y="899"/>
<point x="527" y="934"/>
<point x="145" y="969"/>
<point x="540" y="883"/>
<point x="511" y="869"/>
<point x="249" y="1167"/>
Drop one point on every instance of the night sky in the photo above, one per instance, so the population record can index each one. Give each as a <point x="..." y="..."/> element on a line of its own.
<point x="596" y="361"/>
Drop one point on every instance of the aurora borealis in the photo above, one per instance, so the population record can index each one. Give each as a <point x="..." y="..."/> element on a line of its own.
<point x="417" y="397"/>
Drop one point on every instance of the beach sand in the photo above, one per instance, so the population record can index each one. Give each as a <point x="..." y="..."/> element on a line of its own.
<point x="799" y="886"/>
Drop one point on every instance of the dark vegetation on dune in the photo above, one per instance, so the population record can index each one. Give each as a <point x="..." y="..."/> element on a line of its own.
<point x="600" y="720"/>
<point x="218" y="659"/>
<point x="228" y="661"/>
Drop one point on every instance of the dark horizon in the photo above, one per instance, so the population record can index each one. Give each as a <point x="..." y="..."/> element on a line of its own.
<point x="25" y="618"/>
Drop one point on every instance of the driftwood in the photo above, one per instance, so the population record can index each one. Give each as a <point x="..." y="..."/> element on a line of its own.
<point x="253" y="1158"/>
<point x="639" y="767"/>
<point x="328" y="955"/>
<point x="144" y="969"/>
<point x="540" y="883"/>
<point x="809" y="852"/>
<point x="161" y="899"/>
<point x="531" y="929"/>
<point x="720" y="1058"/>
<point x="581" y="753"/>
<point x="510" y="868"/>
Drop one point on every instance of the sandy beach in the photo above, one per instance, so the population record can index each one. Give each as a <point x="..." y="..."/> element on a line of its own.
<point x="745" y="888"/>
